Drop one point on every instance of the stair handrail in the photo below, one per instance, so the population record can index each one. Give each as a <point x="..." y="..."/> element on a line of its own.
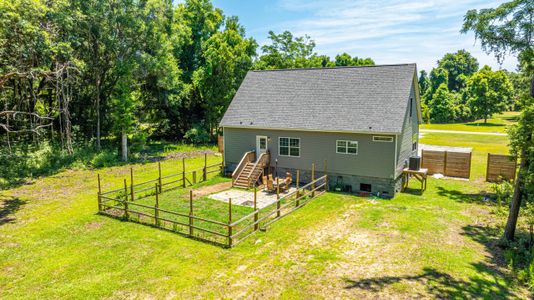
<point x="260" y="159"/>
<point x="244" y="160"/>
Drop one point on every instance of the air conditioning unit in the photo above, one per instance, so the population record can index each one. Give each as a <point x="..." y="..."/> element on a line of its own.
<point x="415" y="163"/>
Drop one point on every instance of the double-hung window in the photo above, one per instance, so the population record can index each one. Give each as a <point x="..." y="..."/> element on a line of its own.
<point x="346" y="147"/>
<point x="289" y="146"/>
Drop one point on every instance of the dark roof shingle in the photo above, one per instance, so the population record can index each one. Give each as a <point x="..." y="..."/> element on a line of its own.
<point x="353" y="99"/>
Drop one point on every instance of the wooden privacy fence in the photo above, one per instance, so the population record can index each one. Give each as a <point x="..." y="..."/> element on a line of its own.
<point x="448" y="163"/>
<point x="500" y="167"/>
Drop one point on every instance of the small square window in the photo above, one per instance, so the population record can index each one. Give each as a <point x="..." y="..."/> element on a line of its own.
<point x="289" y="146"/>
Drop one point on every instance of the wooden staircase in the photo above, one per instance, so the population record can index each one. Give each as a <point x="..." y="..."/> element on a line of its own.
<point x="249" y="171"/>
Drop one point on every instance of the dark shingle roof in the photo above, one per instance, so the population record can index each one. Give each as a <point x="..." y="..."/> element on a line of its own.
<point x="353" y="99"/>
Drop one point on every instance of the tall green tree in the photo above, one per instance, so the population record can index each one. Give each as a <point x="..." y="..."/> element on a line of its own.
<point x="424" y="84"/>
<point x="488" y="92"/>
<point x="228" y="55"/>
<point x="460" y="66"/>
<point x="287" y="52"/>
<point x="503" y="30"/>
<point x="345" y="59"/>
<point x="442" y="105"/>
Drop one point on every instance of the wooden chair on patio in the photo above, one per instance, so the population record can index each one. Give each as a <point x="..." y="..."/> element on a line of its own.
<point x="268" y="183"/>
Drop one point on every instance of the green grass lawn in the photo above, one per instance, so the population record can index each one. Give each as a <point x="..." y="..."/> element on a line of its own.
<point x="438" y="245"/>
<point x="481" y="144"/>
<point x="498" y="123"/>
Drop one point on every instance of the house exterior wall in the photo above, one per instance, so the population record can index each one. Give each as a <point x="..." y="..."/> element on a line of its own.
<point x="374" y="164"/>
<point x="410" y="131"/>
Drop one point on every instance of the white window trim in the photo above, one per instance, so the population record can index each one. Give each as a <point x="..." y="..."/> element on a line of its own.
<point x="289" y="146"/>
<point x="390" y="139"/>
<point x="347" y="147"/>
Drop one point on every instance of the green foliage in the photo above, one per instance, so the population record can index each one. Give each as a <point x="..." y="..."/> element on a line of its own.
<point x="442" y="108"/>
<point x="289" y="52"/>
<point x="459" y="66"/>
<point x="521" y="138"/>
<point x="424" y="82"/>
<point x="507" y="28"/>
<point x="503" y="192"/>
<point x="197" y="135"/>
<point x="488" y="92"/>
<point x="345" y="59"/>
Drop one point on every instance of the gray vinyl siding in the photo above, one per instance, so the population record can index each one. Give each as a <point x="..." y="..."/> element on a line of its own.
<point x="410" y="127"/>
<point x="374" y="159"/>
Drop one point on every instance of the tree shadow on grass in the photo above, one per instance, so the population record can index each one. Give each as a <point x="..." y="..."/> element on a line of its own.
<point x="459" y="196"/>
<point x="8" y="206"/>
<point x="491" y="281"/>
<point x="485" y="124"/>
<point x="438" y="284"/>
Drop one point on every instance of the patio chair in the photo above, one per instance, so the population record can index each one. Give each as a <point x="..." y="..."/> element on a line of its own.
<point x="289" y="179"/>
<point x="269" y="186"/>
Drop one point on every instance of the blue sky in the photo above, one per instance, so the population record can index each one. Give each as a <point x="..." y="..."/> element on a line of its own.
<point x="390" y="31"/>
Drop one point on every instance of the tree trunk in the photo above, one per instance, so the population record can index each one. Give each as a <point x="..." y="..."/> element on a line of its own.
<point x="509" y="231"/>
<point x="124" y="146"/>
<point x="98" y="147"/>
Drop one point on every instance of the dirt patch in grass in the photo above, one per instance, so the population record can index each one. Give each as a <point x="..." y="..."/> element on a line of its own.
<point x="210" y="189"/>
<point x="181" y="155"/>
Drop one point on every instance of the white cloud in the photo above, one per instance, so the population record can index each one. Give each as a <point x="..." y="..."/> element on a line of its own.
<point x="390" y="31"/>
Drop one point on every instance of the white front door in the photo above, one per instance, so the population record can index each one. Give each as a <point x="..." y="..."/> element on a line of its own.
<point x="261" y="145"/>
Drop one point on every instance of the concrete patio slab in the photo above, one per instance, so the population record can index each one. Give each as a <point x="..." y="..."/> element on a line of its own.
<point x="246" y="198"/>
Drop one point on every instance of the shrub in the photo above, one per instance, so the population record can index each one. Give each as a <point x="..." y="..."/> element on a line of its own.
<point x="197" y="135"/>
<point x="105" y="158"/>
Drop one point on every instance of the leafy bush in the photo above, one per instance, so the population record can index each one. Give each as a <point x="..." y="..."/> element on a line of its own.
<point x="503" y="192"/>
<point x="197" y="135"/>
<point x="104" y="159"/>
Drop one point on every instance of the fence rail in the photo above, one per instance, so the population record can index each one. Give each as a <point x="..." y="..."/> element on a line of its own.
<point x="228" y="234"/>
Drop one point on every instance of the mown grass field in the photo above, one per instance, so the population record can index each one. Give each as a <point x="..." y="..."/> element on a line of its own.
<point x="498" y="123"/>
<point x="441" y="244"/>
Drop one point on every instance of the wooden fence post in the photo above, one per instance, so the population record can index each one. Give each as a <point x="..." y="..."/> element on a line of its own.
<point x="183" y="171"/>
<point x="159" y="177"/>
<point x="156" y="207"/>
<point x="255" y="209"/>
<point x="194" y="177"/>
<point x="131" y="185"/>
<point x="297" y="192"/>
<point x="230" y="222"/>
<point x="487" y="166"/>
<point x="126" y="214"/>
<point x="277" y="197"/>
<point x="313" y="180"/>
<point x="469" y="170"/>
<point x="99" y="194"/>
<point x="191" y="212"/>
<point x="204" y="171"/>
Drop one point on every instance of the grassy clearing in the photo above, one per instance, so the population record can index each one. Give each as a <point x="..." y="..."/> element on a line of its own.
<point x="498" y="123"/>
<point x="481" y="144"/>
<point x="441" y="244"/>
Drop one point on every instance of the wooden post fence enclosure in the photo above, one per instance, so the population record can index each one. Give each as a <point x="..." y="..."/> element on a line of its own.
<point x="500" y="167"/>
<point x="448" y="163"/>
<point x="223" y="229"/>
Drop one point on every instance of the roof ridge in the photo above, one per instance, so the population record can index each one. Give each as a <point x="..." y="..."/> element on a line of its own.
<point x="336" y="67"/>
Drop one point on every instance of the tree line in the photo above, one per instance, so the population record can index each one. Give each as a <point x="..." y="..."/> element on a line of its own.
<point x="79" y="72"/>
